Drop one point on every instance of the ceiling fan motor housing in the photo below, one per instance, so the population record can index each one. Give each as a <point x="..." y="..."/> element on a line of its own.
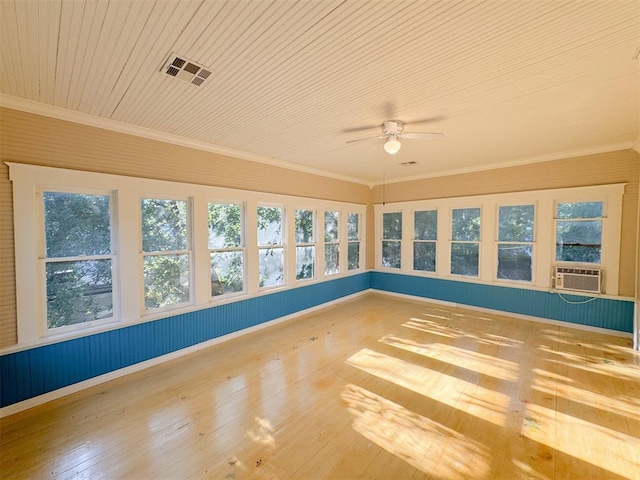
<point x="392" y="128"/>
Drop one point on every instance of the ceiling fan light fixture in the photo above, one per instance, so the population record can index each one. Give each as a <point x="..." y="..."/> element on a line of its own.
<point x="392" y="146"/>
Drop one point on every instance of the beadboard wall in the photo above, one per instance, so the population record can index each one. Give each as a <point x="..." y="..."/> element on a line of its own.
<point x="40" y="140"/>
<point x="34" y="139"/>
<point x="622" y="166"/>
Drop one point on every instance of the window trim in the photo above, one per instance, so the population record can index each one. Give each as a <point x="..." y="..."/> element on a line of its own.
<point x="478" y="242"/>
<point x="415" y="240"/>
<point x="189" y="251"/>
<point x="313" y="244"/>
<point x="381" y="241"/>
<point x="337" y="242"/>
<point x="601" y="219"/>
<point x="544" y="243"/>
<point x="127" y="191"/>
<point x="532" y="243"/>
<point x="283" y="244"/>
<point x="42" y="319"/>
<point x="358" y="241"/>
<point x="242" y="248"/>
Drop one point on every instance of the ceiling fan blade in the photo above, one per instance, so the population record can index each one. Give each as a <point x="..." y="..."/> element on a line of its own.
<point x="417" y="121"/>
<point x="360" y="129"/>
<point x="422" y="135"/>
<point x="365" y="139"/>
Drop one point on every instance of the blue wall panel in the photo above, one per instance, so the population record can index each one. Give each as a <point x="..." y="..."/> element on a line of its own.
<point x="601" y="312"/>
<point x="39" y="370"/>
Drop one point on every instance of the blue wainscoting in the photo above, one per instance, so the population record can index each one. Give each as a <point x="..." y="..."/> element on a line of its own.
<point x="39" y="370"/>
<point x="601" y="312"/>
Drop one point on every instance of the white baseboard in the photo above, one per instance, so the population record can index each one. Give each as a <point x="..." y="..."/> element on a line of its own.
<point x="76" y="387"/>
<point x="531" y="318"/>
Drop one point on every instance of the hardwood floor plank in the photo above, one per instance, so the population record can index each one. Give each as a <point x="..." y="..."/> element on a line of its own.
<point x="375" y="387"/>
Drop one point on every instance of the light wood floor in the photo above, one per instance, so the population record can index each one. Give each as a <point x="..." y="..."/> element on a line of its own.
<point x="375" y="387"/>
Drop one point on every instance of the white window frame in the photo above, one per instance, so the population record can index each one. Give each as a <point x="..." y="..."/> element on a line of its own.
<point x="42" y="327"/>
<point x="358" y="241"/>
<point x="313" y="244"/>
<point x="337" y="242"/>
<point x="188" y="251"/>
<point x="543" y="260"/>
<point x="381" y="241"/>
<point x="128" y="290"/>
<point x="283" y="245"/>
<point x="414" y="240"/>
<point x="602" y="219"/>
<point x="479" y="242"/>
<point x="532" y="243"/>
<point x="242" y="248"/>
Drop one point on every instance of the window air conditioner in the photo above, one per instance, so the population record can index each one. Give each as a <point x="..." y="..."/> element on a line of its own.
<point x="579" y="279"/>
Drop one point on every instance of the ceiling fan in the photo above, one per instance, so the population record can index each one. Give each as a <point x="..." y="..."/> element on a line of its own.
<point x="392" y="130"/>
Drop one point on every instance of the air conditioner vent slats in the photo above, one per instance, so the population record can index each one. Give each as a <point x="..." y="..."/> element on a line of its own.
<point x="579" y="279"/>
<point x="186" y="70"/>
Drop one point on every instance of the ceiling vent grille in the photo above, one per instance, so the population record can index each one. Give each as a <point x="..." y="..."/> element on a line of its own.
<point x="186" y="70"/>
<point x="409" y="164"/>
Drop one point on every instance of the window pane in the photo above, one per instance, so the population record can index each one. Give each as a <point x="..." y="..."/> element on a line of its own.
<point x="580" y="210"/>
<point x="164" y="224"/>
<point x="392" y="226"/>
<point x="579" y="241"/>
<point x="304" y="262"/>
<point x="464" y="259"/>
<point x="330" y="226"/>
<point x="331" y="259"/>
<point x="224" y="225"/>
<point x="226" y="272"/>
<point x="353" y="256"/>
<point x="76" y="224"/>
<point x="391" y="254"/>
<point x="516" y="223"/>
<point x="465" y="224"/>
<point x="353" y="232"/>
<point x="304" y="226"/>
<point x="425" y="225"/>
<point x="78" y="292"/>
<point x="271" y="266"/>
<point x="424" y="256"/>
<point x="514" y="261"/>
<point x="166" y="280"/>
<point x="269" y="226"/>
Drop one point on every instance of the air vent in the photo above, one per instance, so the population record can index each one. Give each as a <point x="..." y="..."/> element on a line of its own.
<point x="579" y="279"/>
<point x="186" y="70"/>
<point x="409" y="164"/>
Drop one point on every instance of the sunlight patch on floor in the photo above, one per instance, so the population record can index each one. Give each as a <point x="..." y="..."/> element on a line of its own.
<point x="486" y="364"/>
<point x="415" y="438"/>
<point x="452" y="391"/>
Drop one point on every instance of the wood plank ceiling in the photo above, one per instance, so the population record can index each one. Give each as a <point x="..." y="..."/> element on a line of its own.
<point x="293" y="81"/>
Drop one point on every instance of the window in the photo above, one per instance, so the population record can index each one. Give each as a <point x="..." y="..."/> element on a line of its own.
<point x="166" y="254"/>
<point x="515" y="242"/>
<point x="270" y="246"/>
<point x="226" y="248"/>
<point x="465" y="241"/>
<point x="96" y="251"/>
<point x="425" y="234"/>
<point x="331" y="243"/>
<point x="579" y="232"/>
<point x="391" y="239"/>
<point x="353" y="241"/>
<point x="305" y="246"/>
<point x="78" y="258"/>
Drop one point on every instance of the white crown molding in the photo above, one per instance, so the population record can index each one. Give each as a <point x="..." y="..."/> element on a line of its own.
<point x="514" y="163"/>
<point x="37" y="108"/>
